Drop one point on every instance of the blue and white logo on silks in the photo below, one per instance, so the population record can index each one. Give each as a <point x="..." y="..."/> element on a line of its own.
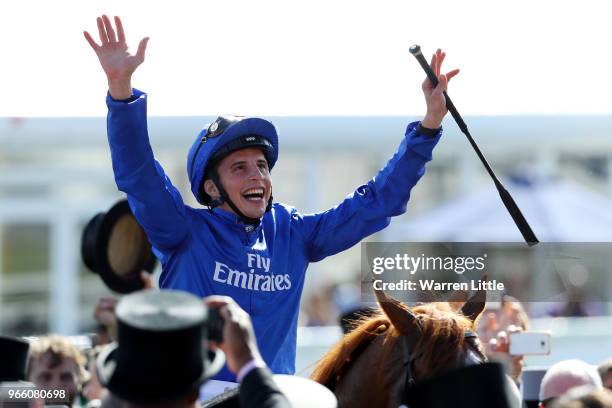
<point x="257" y="278"/>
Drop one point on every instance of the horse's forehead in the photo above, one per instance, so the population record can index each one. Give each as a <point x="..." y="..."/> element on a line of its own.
<point x="441" y="316"/>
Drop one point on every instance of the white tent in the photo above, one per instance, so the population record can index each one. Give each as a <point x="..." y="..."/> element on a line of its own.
<point x="558" y="211"/>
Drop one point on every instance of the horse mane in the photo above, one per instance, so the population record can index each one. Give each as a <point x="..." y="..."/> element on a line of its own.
<point x="332" y="365"/>
<point x="440" y="339"/>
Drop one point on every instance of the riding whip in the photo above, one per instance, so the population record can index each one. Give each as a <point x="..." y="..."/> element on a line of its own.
<point x="506" y="198"/>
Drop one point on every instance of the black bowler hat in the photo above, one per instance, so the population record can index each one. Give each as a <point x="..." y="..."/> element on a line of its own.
<point x="116" y="247"/>
<point x="13" y="359"/>
<point x="161" y="353"/>
<point x="481" y="385"/>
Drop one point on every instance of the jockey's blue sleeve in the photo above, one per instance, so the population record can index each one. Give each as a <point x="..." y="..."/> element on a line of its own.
<point x="155" y="202"/>
<point x="370" y="207"/>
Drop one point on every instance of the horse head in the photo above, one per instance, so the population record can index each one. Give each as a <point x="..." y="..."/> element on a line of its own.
<point x="376" y="363"/>
<point x="435" y="336"/>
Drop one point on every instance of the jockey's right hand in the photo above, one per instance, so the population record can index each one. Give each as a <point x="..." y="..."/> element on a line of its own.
<point x="116" y="60"/>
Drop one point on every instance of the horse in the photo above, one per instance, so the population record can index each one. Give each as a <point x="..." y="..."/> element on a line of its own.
<point x="376" y="364"/>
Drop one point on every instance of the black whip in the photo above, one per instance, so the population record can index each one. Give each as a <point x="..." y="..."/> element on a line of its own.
<point x="506" y="198"/>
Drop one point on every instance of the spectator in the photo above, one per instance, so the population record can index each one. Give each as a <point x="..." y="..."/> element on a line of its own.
<point x="13" y="362"/>
<point x="158" y="360"/>
<point x="92" y="390"/>
<point x="494" y="329"/>
<point x="57" y="364"/>
<point x="104" y="313"/>
<point x="565" y="375"/>
<point x="585" y="397"/>
<point x="605" y="372"/>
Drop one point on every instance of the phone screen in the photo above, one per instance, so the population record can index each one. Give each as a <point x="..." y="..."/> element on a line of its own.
<point x="530" y="343"/>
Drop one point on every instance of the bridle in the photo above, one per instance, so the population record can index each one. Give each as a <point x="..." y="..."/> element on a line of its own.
<point x="471" y="358"/>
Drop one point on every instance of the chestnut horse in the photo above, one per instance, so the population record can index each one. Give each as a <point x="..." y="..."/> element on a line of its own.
<point x="376" y="363"/>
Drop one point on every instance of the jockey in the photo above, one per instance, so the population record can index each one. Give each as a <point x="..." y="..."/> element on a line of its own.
<point x="243" y="245"/>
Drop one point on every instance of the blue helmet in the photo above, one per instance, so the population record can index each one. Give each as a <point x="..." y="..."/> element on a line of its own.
<point x="222" y="137"/>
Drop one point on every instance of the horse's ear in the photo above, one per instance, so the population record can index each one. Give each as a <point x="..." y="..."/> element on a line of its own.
<point x="457" y="299"/>
<point x="400" y="316"/>
<point x="476" y="304"/>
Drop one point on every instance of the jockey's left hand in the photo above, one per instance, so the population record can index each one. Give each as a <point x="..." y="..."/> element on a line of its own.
<point x="434" y="97"/>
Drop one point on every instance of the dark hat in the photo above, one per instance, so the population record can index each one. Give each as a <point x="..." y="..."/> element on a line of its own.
<point x="116" y="247"/>
<point x="13" y="359"/>
<point x="481" y="385"/>
<point x="160" y="354"/>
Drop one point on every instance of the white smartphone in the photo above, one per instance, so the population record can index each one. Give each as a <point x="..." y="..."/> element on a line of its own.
<point x="529" y="343"/>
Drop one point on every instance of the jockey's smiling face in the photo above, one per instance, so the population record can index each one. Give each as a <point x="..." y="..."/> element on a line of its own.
<point x="246" y="178"/>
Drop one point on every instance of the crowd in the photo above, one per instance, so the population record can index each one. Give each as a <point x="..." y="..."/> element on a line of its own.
<point x="567" y="383"/>
<point x="159" y="358"/>
<point x="159" y="355"/>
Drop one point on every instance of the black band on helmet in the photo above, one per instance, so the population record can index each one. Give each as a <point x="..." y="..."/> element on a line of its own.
<point x="244" y="142"/>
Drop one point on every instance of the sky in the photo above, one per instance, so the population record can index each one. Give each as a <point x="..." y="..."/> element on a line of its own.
<point x="316" y="57"/>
